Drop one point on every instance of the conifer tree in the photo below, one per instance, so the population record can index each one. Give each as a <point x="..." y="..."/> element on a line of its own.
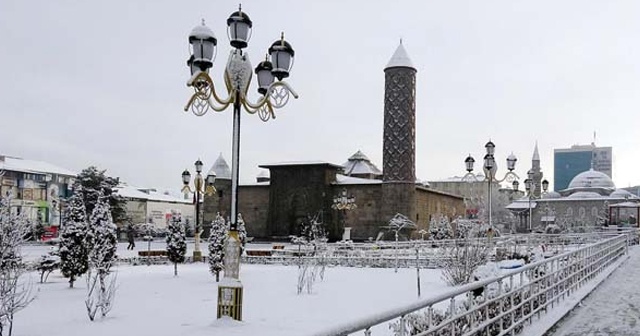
<point x="217" y="237"/>
<point x="74" y="255"/>
<point x="103" y="241"/>
<point x="439" y="228"/>
<point x="176" y="245"/>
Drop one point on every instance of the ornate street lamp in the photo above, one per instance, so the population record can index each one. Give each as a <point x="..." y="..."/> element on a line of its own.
<point x="344" y="203"/>
<point x="199" y="189"/>
<point x="530" y="186"/>
<point x="490" y="169"/>
<point x="237" y="78"/>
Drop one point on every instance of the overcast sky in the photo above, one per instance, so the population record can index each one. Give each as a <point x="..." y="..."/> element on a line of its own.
<point x="103" y="83"/>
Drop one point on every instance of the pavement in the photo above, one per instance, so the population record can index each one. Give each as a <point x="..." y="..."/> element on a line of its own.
<point x="613" y="308"/>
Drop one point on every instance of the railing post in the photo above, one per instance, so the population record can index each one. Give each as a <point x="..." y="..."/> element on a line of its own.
<point x="452" y="312"/>
<point x="402" y="326"/>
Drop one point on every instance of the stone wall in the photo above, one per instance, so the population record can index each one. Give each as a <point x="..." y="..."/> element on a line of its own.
<point x="430" y="203"/>
<point x="364" y="220"/>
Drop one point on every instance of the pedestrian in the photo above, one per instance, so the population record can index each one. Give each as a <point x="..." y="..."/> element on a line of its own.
<point x="131" y="238"/>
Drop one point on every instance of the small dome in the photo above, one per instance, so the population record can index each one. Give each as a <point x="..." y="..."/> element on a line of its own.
<point x="551" y="195"/>
<point x="591" y="179"/>
<point x="621" y="193"/>
<point x="585" y="194"/>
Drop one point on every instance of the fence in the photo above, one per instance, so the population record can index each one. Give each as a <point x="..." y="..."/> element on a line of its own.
<point x="500" y="305"/>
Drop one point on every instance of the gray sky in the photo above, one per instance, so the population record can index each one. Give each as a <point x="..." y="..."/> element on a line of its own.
<point x="103" y="83"/>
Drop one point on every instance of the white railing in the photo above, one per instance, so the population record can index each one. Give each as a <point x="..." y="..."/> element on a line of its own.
<point x="500" y="305"/>
<point x="426" y="254"/>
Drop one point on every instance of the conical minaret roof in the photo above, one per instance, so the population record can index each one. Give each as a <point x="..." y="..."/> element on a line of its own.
<point x="400" y="58"/>
<point x="536" y="154"/>
<point x="221" y="168"/>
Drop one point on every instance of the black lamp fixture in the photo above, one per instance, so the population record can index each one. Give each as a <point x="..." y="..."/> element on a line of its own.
<point x="239" y="29"/>
<point x="203" y="48"/>
<point x="469" y="163"/>
<point x="281" y="57"/>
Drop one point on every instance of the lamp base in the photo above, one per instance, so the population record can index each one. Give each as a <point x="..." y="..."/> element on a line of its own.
<point x="230" y="293"/>
<point x="197" y="256"/>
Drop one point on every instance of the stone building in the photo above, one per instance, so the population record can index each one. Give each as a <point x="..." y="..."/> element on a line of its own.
<point x="588" y="201"/>
<point x="274" y="206"/>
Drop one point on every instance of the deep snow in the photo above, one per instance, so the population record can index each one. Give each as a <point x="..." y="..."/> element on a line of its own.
<point x="151" y="301"/>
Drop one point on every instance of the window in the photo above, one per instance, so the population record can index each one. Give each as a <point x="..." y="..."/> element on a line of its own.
<point x="594" y="212"/>
<point x="220" y="193"/>
<point x="569" y="211"/>
<point x="582" y="212"/>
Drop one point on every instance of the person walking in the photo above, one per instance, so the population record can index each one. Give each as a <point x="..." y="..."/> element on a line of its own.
<point x="131" y="238"/>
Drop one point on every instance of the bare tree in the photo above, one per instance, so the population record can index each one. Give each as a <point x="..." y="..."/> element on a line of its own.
<point x="461" y="260"/>
<point x="15" y="293"/>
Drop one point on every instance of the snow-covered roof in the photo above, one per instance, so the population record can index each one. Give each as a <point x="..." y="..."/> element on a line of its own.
<point x="585" y="194"/>
<point x="300" y="163"/>
<point x="522" y="204"/>
<point x="479" y="177"/>
<point x="400" y="58"/>
<point x="551" y="195"/>
<point x="136" y="193"/>
<point x="221" y="169"/>
<point x="621" y="193"/>
<point x="359" y="164"/>
<point x="344" y="180"/>
<point x="591" y="179"/>
<point x="32" y="166"/>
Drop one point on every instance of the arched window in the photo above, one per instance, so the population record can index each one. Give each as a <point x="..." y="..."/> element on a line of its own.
<point x="569" y="211"/>
<point x="594" y="212"/>
<point x="582" y="212"/>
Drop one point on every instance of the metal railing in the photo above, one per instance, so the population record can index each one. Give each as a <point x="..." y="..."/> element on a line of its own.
<point x="501" y="305"/>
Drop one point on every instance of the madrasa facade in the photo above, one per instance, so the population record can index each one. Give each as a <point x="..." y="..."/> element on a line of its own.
<point x="590" y="201"/>
<point x="278" y="202"/>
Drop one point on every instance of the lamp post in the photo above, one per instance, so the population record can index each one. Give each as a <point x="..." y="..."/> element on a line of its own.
<point x="530" y="186"/>
<point x="237" y="78"/>
<point x="490" y="169"/>
<point x="344" y="203"/>
<point x="199" y="189"/>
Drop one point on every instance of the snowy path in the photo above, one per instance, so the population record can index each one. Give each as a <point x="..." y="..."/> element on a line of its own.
<point x="611" y="309"/>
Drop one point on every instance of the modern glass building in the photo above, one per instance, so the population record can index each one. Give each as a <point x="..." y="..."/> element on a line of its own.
<point x="569" y="162"/>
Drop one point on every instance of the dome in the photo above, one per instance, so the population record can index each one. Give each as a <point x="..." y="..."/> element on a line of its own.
<point x="551" y="195"/>
<point x="621" y="193"/>
<point x="585" y="194"/>
<point x="591" y="179"/>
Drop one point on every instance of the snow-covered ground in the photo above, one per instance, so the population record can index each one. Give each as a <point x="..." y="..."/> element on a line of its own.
<point x="151" y="301"/>
<point x="611" y="309"/>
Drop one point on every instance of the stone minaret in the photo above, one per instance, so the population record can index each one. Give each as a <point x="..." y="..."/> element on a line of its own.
<point x="537" y="172"/>
<point x="399" y="144"/>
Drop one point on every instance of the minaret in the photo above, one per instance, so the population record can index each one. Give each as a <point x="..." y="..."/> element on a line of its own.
<point x="399" y="144"/>
<point x="537" y="172"/>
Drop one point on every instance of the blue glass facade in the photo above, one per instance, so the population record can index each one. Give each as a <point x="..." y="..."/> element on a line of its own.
<point x="566" y="165"/>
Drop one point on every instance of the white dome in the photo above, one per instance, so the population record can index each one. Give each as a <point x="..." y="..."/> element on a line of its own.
<point x="551" y="195"/>
<point x="591" y="179"/>
<point x="621" y="193"/>
<point x="585" y="194"/>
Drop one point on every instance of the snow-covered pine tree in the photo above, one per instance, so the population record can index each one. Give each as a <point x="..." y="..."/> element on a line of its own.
<point x="74" y="255"/>
<point x="102" y="233"/>
<point x="95" y="184"/>
<point x="176" y="245"/>
<point x="439" y="228"/>
<point x="242" y="232"/>
<point x="217" y="237"/>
